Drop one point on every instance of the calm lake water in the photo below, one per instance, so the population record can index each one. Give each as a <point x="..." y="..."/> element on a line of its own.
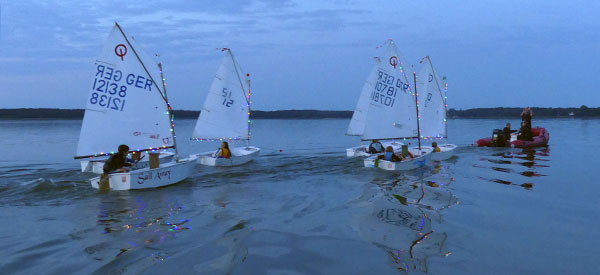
<point x="302" y="207"/>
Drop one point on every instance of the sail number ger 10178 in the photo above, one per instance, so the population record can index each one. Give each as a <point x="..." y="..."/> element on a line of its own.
<point x="386" y="88"/>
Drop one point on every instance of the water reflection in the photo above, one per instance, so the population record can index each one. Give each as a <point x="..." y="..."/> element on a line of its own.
<point x="511" y="162"/>
<point x="130" y="224"/>
<point x="403" y="214"/>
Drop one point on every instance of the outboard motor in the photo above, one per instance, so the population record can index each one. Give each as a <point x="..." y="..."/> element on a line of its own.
<point x="498" y="138"/>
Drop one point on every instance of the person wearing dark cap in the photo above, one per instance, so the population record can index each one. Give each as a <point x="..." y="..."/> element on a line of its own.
<point x="114" y="164"/>
<point x="507" y="131"/>
<point x="375" y="147"/>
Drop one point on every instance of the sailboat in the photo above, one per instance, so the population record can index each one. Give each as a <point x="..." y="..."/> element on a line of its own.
<point x="359" y="117"/>
<point x="393" y="112"/>
<point x="126" y="105"/>
<point x="225" y="115"/>
<point x="432" y="109"/>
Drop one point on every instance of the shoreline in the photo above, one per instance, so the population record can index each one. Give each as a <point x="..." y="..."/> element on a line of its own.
<point x="476" y="113"/>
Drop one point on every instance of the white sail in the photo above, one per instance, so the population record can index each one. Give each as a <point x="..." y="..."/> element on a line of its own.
<point x="225" y="111"/>
<point x="392" y="109"/>
<point x="359" y="117"/>
<point x="432" y="103"/>
<point x="126" y="103"/>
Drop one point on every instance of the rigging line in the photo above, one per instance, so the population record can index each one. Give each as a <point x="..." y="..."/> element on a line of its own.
<point x="163" y="94"/>
<point x="142" y="63"/>
<point x="402" y="59"/>
<point x="235" y="66"/>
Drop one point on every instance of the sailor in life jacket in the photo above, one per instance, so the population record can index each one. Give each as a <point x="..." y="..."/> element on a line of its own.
<point x="389" y="155"/>
<point x="375" y="147"/>
<point x="435" y="147"/>
<point x="224" y="152"/>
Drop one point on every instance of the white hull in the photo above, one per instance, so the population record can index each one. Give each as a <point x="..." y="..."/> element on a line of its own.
<point x="420" y="158"/>
<point x="239" y="156"/>
<point x="165" y="174"/>
<point x="361" y="151"/>
<point x="446" y="152"/>
<point x="96" y="166"/>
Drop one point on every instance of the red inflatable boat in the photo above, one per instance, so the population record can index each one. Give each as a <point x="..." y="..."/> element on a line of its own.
<point x="540" y="138"/>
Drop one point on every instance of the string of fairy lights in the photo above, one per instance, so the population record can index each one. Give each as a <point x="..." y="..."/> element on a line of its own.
<point x="248" y="103"/>
<point x="171" y="115"/>
<point x="445" y="96"/>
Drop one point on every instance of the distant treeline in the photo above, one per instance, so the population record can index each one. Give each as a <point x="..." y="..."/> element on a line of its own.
<point x="583" y="111"/>
<point x="42" y="113"/>
<point x="283" y="114"/>
<point x="501" y="112"/>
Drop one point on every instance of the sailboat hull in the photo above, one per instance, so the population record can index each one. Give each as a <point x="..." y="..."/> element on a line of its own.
<point x="96" y="166"/>
<point x="446" y="152"/>
<point x="420" y="158"/>
<point x="361" y="151"/>
<point x="166" y="174"/>
<point x="240" y="155"/>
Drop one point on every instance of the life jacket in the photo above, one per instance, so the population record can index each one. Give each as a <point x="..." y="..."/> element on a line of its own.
<point x="437" y="149"/>
<point x="224" y="153"/>
<point x="388" y="156"/>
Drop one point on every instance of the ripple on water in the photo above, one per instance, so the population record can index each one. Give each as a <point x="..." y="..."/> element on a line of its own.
<point x="42" y="186"/>
<point x="509" y="166"/>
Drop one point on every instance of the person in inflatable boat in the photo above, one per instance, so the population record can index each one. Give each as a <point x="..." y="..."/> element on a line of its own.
<point x="435" y="147"/>
<point x="389" y="155"/>
<point x="525" y="132"/>
<point x="526" y="116"/>
<point x="224" y="152"/>
<point x="507" y="131"/>
<point x="375" y="147"/>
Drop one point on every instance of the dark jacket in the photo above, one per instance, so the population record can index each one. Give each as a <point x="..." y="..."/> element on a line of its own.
<point x="507" y="131"/>
<point x="525" y="134"/>
<point x="373" y="150"/>
<point x="114" y="162"/>
<point x="526" y="117"/>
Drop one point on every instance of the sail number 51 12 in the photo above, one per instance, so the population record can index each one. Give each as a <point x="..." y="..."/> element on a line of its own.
<point x="226" y="94"/>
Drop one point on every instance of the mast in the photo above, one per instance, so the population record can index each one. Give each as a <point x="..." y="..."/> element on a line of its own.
<point x="247" y="96"/>
<point x="171" y="116"/>
<point x="417" y="108"/>
<point x="248" y="103"/>
<point x="163" y="93"/>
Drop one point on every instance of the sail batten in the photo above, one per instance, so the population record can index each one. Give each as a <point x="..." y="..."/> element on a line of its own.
<point x="225" y="111"/>
<point x="123" y="91"/>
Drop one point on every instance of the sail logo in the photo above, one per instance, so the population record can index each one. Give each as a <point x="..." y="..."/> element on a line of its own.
<point x="394" y="61"/>
<point x="148" y="135"/>
<point x="430" y="77"/>
<point x="121" y="50"/>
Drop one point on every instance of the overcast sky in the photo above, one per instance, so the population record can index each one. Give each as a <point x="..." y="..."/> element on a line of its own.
<point x="305" y="54"/>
